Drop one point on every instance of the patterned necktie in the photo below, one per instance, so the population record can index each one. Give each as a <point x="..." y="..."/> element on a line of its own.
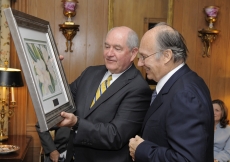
<point x="101" y="89"/>
<point x="154" y="95"/>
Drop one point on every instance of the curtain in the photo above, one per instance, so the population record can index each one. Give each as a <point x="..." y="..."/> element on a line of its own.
<point x="4" y="52"/>
<point x="5" y="34"/>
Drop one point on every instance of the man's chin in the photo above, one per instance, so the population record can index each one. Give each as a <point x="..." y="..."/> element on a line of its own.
<point x="148" y="76"/>
<point x="110" y="67"/>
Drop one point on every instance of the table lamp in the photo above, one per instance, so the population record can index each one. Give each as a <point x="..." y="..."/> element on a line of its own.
<point x="9" y="78"/>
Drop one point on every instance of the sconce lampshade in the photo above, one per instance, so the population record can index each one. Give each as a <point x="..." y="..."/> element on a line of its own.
<point x="10" y="77"/>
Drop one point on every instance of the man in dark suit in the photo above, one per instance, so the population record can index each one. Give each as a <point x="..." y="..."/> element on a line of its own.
<point x="178" y="126"/>
<point x="102" y="130"/>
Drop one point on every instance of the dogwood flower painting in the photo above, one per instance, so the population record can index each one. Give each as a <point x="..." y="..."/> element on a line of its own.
<point x="43" y="68"/>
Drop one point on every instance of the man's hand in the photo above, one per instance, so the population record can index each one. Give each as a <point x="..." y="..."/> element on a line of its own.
<point x="54" y="156"/>
<point x="69" y="120"/>
<point x="133" y="143"/>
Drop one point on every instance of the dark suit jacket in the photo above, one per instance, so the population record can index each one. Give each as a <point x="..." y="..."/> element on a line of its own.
<point x="59" y="143"/>
<point x="178" y="126"/>
<point x="105" y="129"/>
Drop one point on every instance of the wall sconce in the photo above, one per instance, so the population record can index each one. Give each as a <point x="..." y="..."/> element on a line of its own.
<point x="11" y="78"/>
<point x="68" y="28"/>
<point x="209" y="35"/>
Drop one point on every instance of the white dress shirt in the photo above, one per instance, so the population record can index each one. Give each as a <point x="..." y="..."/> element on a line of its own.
<point x="163" y="80"/>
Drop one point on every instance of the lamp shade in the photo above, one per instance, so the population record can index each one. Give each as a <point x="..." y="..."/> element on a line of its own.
<point x="10" y="77"/>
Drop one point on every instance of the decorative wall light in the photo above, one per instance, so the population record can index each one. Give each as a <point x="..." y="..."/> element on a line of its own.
<point x="9" y="78"/>
<point x="69" y="28"/>
<point x="209" y="35"/>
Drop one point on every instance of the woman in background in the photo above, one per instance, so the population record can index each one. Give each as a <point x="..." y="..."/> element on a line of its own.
<point x="222" y="132"/>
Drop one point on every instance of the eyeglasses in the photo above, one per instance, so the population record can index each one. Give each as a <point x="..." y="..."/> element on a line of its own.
<point x="142" y="57"/>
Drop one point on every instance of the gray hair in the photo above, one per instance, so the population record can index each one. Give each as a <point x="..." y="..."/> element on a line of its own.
<point x="169" y="38"/>
<point x="132" y="39"/>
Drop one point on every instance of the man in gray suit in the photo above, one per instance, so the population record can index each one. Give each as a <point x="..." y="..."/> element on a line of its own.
<point x="102" y="130"/>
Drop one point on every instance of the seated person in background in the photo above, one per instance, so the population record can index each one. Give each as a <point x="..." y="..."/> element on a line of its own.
<point x="222" y="132"/>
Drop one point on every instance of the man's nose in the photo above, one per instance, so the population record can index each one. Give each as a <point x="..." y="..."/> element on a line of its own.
<point x="110" y="52"/>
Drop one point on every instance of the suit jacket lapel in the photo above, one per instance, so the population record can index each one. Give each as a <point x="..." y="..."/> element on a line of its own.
<point x="95" y="82"/>
<point x="118" y="84"/>
<point x="165" y="89"/>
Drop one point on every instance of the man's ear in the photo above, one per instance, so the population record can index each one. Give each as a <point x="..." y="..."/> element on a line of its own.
<point x="168" y="55"/>
<point x="134" y="53"/>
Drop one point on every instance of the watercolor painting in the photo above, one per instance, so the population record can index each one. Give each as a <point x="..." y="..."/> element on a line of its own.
<point x="43" y="68"/>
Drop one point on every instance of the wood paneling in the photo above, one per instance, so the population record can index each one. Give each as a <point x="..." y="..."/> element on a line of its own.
<point x="133" y="14"/>
<point x="87" y="50"/>
<point x="188" y="19"/>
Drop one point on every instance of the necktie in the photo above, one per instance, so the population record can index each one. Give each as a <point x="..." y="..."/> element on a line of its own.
<point x="101" y="89"/>
<point x="154" y="95"/>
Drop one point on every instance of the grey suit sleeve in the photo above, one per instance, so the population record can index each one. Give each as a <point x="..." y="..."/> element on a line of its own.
<point x="46" y="141"/>
<point x="60" y="140"/>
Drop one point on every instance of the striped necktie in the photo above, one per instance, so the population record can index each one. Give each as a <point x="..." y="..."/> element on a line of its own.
<point x="154" y="95"/>
<point x="101" y="89"/>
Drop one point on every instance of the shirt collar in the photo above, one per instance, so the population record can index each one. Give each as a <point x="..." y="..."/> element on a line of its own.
<point x="114" y="76"/>
<point x="163" y="80"/>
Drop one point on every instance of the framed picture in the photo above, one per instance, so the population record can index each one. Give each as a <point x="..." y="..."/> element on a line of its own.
<point x="43" y="71"/>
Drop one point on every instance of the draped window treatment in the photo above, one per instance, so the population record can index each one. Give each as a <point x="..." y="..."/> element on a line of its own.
<point x="5" y="34"/>
<point x="4" y="50"/>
